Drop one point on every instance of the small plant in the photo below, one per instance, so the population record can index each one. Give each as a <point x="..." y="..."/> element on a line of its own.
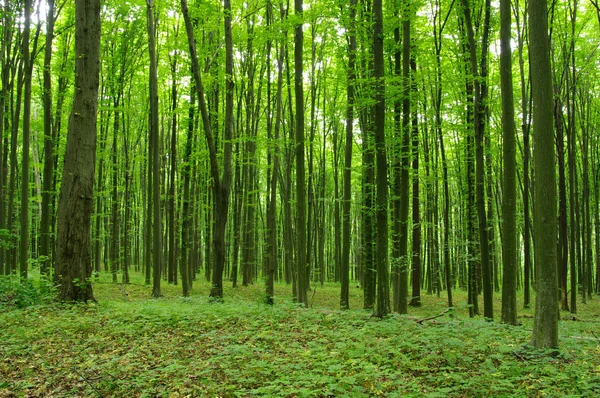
<point x="8" y="240"/>
<point x="20" y="293"/>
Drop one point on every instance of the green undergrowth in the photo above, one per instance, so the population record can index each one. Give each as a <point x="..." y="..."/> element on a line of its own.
<point x="129" y="345"/>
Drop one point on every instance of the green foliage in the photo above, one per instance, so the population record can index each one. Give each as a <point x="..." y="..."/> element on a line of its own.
<point x="17" y="293"/>
<point x="242" y="347"/>
<point x="8" y="240"/>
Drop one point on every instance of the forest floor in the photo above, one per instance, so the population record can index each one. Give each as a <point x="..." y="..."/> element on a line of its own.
<point x="130" y="345"/>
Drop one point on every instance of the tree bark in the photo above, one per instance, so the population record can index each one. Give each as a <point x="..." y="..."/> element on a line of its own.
<point x="220" y="185"/>
<point x="509" y="197"/>
<point x="346" y="226"/>
<point x="154" y="152"/>
<point x="28" y="67"/>
<point x="302" y="283"/>
<point x="47" y="194"/>
<point x="545" y="328"/>
<point x="73" y="251"/>
<point x="381" y="261"/>
<point x="416" y="268"/>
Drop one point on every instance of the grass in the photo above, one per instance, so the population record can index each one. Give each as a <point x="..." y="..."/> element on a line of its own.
<point x="175" y="347"/>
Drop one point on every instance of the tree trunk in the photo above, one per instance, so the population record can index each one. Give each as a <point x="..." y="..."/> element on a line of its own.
<point x="416" y="268"/>
<point x="545" y="329"/>
<point x="47" y="193"/>
<point x="4" y="65"/>
<point x="381" y="261"/>
<point x="509" y="197"/>
<point x="24" y="225"/>
<point x="302" y="283"/>
<point x="479" y="127"/>
<point x="346" y="226"/>
<point x="155" y="149"/>
<point x="271" y="246"/>
<point x="114" y="241"/>
<point x="220" y="186"/>
<point x="73" y="251"/>
<point x="173" y="168"/>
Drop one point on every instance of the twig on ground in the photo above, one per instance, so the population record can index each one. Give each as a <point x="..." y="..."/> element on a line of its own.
<point x="432" y="317"/>
<point x="87" y="381"/>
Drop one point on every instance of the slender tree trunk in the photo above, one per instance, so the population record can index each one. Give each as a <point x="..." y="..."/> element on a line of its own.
<point x="28" y="67"/>
<point x="127" y="230"/>
<point x="115" y="222"/>
<point x="509" y="197"/>
<point x="173" y="159"/>
<point x="346" y="226"/>
<point x="479" y="126"/>
<point x="220" y="185"/>
<point x="47" y="193"/>
<point x="155" y="149"/>
<point x="438" y="30"/>
<point x="272" y="209"/>
<point x="184" y="261"/>
<point x="300" y="173"/>
<point x="402" y="169"/>
<point x="416" y="215"/>
<point x="4" y="65"/>
<point x="563" y="246"/>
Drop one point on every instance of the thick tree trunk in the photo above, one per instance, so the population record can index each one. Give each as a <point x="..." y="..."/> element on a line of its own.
<point x="73" y="251"/>
<point x="381" y="254"/>
<point x="545" y="328"/>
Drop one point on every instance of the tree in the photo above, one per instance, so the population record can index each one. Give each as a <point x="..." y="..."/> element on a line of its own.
<point x="302" y="283"/>
<point x="48" y="143"/>
<point x="154" y="152"/>
<point x="345" y="265"/>
<point x="73" y="246"/>
<point x="479" y="127"/>
<point x="28" y="66"/>
<point x="383" y="298"/>
<point x="509" y="199"/>
<point x="545" y="327"/>
<point x="222" y="184"/>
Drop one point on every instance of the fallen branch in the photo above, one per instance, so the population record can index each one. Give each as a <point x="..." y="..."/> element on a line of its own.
<point x="82" y="377"/>
<point x="419" y="321"/>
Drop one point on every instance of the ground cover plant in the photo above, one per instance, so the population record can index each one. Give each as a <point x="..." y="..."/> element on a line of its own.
<point x="129" y="344"/>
